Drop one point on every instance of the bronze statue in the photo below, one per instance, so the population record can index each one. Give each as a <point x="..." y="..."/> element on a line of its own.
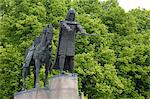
<point x="66" y="46"/>
<point x="38" y="54"/>
<point x="40" y="51"/>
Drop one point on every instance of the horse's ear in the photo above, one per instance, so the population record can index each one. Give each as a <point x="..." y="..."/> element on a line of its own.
<point x="50" y="26"/>
<point x="37" y="41"/>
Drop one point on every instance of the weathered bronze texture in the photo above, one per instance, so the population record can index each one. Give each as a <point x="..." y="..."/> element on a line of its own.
<point x="38" y="54"/>
<point x="66" y="43"/>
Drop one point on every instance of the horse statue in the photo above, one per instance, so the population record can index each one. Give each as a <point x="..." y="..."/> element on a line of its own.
<point x="37" y="55"/>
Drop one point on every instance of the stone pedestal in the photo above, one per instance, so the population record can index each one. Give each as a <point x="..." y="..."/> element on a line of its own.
<point x="64" y="86"/>
<point x="42" y="93"/>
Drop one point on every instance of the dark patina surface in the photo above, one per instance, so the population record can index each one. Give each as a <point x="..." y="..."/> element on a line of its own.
<point x="38" y="54"/>
<point x="66" y="46"/>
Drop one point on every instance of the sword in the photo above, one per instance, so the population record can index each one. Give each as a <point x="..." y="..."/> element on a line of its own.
<point x="84" y="34"/>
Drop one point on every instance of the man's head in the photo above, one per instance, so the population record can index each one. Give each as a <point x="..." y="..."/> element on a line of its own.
<point x="71" y="15"/>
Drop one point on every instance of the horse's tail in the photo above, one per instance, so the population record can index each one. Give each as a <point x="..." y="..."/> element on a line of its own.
<point x="28" y="59"/>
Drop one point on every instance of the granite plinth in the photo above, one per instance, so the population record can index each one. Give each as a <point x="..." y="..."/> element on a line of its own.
<point x="64" y="86"/>
<point x="42" y="93"/>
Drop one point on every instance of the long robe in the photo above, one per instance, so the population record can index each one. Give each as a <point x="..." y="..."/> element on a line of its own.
<point x="66" y="44"/>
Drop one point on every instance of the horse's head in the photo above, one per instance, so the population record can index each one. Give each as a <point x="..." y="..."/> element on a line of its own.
<point x="48" y="30"/>
<point x="49" y="33"/>
<point x="46" y="36"/>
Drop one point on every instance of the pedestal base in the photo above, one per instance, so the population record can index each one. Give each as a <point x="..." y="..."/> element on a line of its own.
<point x="42" y="93"/>
<point x="64" y="86"/>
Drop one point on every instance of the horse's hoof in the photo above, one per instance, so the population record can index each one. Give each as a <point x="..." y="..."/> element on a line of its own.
<point x="37" y="86"/>
<point x="23" y="89"/>
<point x="46" y="86"/>
<point x="62" y="72"/>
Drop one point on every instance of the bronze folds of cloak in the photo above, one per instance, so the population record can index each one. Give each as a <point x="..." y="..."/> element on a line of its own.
<point x="66" y="43"/>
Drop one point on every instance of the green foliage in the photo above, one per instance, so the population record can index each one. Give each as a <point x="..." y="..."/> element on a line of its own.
<point x="10" y="61"/>
<point x="113" y="65"/>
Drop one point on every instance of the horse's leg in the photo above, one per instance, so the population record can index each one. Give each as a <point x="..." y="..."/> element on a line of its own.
<point x="47" y="68"/>
<point x="24" y="77"/>
<point x="34" y="72"/>
<point x="46" y="74"/>
<point x="37" y="64"/>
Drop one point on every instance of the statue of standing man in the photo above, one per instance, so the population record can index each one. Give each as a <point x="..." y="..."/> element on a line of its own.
<point x="66" y="44"/>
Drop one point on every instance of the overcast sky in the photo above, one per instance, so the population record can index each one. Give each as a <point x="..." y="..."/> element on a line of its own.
<point x="131" y="4"/>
